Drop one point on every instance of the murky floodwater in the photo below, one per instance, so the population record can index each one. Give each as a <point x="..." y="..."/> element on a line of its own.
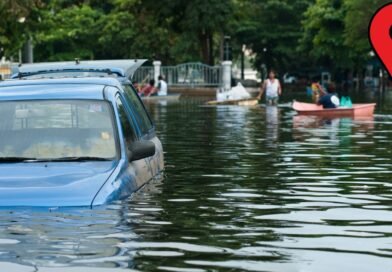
<point x="246" y="189"/>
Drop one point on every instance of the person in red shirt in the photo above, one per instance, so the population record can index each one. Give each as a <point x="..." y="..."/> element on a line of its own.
<point x="149" y="89"/>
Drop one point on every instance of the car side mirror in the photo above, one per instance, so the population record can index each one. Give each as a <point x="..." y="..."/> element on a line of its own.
<point x="140" y="150"/>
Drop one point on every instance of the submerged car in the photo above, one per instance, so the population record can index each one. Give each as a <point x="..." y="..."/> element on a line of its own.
<point x="74" y="142"/>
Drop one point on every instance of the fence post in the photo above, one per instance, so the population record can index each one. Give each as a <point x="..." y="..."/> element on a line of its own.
<point x="157" y="70"/>
<point x="226" y="75"/>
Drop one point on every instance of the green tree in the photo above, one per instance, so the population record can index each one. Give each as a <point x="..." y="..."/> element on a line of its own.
<point x="336" y="33"/>
<point x="272" y="29"/>
<point x="356" y="21"/>
<point x="67" y="33"/>
<point x="201" y="22"/>
<point x="324" y="35"/>
<point x="18" y="20"/>
<point x="132" y="29"/>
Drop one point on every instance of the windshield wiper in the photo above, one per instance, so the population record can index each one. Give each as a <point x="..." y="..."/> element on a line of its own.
<point x="16" y="159"/>
<point x="63" y="159"/>
<point x="73" y="159"/>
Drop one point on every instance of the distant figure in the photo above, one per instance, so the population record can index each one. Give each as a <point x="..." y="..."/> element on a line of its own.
<point x="272" y="88"/>
<point x="162" y="86"/>
<point x="309" y="90"/>
<point x="330" y="99"/>
<point x="317" y="90"/>
<point x="149" y="89"/>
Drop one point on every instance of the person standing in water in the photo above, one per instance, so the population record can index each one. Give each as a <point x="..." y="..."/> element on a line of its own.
<point x="162" y="86"/>
<point x="272" y="89"/>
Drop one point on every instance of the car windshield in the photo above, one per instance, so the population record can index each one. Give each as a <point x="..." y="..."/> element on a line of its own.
<point x="56" y="129"/>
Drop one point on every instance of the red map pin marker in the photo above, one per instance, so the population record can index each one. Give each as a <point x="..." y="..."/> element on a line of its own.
<point x="380" y="35"/>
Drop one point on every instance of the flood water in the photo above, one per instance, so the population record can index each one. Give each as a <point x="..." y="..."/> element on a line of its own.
<point x="245" y="189"/>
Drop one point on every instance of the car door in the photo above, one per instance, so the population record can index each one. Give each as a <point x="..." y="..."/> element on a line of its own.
<point x="146" y="126"/>
<point x="131" y="133"/>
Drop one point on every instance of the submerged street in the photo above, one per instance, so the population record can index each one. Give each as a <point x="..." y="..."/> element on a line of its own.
<point x="245" y="189"/>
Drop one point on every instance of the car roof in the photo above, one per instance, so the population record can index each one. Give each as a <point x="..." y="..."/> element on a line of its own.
<point x="121" y="68"/>
<point x="46" y="89"/>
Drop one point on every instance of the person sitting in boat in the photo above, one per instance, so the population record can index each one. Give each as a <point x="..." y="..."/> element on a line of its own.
<point x="317" y="89"/>
<point x="330" y="99"/>
<point x="272" y="88"/>
<point x="149" y="89"/>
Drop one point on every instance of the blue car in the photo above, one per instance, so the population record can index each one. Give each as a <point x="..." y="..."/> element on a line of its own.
<point x="122" y="70"/>
<point x="74" y="142"/>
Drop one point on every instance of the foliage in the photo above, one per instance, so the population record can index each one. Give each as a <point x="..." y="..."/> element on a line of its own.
<point x="18" y="18"/>
<point x="196" y="21"/>
<point x="284" y="34"/>
<point x="356" y="21"/>
<point x="323" y="32"/>
<point x="336" y="31"/>
<point x="67" y="33"/>
<point x="272" y="29"/>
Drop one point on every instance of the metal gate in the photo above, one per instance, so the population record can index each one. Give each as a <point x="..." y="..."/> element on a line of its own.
<point x="187" y="75"/>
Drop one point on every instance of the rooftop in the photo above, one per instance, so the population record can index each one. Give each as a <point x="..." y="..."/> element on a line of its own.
<point x="120" y="68"/>
<point x="70" y="88"/>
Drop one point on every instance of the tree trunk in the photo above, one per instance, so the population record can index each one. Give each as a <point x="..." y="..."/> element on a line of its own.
<point x="211" y="49"/>
<point x="206" y="46"/>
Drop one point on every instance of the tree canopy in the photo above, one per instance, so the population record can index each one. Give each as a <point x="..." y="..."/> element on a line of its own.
<point x="284" y="34"/>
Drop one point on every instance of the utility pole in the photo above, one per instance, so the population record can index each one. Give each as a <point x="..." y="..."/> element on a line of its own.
<point x="29" y="51"/>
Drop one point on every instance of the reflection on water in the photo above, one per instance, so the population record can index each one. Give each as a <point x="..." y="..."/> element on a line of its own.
<point x="272" y="125"/>
<point x="246" y="189"/>
<point x="337" y="130"/>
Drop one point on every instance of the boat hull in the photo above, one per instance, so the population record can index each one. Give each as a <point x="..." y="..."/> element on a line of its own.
<point x="171" y="97"/>
<point x="356" y="111"/>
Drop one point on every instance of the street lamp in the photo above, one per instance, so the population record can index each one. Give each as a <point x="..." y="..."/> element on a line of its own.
<point x="29" y="54"/>
<point x="21" y="20"/>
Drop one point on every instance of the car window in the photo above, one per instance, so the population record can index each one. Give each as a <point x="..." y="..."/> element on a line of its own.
<point x="51" y="129"/>
<point x="129" y="133"/>
<point x="138" y="108"/>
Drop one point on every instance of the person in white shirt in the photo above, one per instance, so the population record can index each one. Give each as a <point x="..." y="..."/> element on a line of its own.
<point x="162" y="86"/>
<point x="271" y="86"/>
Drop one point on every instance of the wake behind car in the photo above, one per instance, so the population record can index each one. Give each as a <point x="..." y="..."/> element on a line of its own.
<point x="73" y="142"/>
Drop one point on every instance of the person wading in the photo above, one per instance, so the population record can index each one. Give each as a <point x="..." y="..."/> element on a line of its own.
<point x="162" y="86"/>
<point x="272" y="89"/>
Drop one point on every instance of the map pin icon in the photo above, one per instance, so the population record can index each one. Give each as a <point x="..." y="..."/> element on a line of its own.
<point x="380" y="35"/>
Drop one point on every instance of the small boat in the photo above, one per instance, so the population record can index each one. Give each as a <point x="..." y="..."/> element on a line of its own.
<point x="313" y="109"/>
<point x="238" y="102"/>
<point x="237" y="95"/>
<point x="171" y="97"/>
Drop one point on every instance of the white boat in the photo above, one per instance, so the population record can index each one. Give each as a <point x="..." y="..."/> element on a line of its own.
<point x="237" y="95"/>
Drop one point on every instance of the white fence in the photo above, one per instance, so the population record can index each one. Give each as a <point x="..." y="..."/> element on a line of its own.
<point x="187" y="75"/>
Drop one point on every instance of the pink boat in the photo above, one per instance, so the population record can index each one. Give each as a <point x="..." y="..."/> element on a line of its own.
<point x="356" y="111"/>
